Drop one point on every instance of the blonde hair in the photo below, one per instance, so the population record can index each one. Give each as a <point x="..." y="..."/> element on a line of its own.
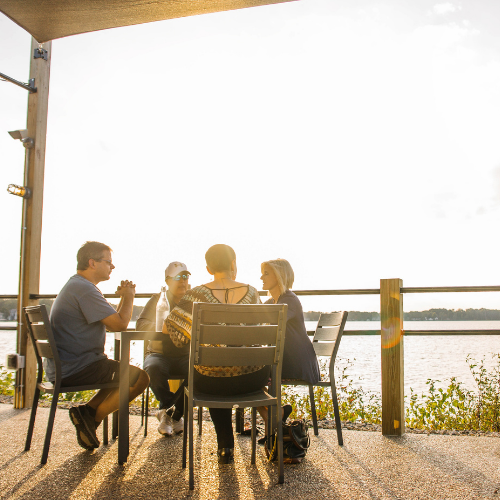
<point x="283" y="272"/>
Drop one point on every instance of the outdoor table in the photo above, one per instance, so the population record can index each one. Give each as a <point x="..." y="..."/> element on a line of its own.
<point x="122" y="352"/>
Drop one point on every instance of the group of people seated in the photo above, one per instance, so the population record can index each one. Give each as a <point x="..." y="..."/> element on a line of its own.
<point x="80" y="316"/>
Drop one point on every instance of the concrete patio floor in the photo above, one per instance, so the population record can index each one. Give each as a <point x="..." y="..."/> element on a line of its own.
<point x="368" y="466"/>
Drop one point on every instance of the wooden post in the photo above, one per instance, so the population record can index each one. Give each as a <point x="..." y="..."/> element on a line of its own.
<point x="391" y="312"/>
<point x="31" y="234"/>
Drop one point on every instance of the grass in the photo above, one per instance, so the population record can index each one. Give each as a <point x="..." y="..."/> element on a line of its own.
<point x="451" y="408"/>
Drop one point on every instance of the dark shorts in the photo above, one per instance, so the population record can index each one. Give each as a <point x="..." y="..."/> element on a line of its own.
<point x="101" y="372"/>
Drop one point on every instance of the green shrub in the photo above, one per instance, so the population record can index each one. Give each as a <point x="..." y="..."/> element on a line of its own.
<point x="7" y="381"/>
<point x="355" y="404"/>
<point x="459" y="408"/>
<point x="438" y="409"/>
<point x="454" y="407"/>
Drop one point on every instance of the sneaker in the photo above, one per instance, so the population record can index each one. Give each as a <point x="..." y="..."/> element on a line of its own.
<point x="178" y="425"/>
<point x="165" y="426"/>
<point x="85" y="427"/>
<point x="225" y="455"/>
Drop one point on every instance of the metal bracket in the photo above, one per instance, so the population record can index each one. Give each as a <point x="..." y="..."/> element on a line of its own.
<point x="30" y="87"/>
<point x="40" y="53"/>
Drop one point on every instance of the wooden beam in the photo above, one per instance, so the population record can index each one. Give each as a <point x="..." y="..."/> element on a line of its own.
<point x="31" y="233"/>
<point x="392" y="347"/>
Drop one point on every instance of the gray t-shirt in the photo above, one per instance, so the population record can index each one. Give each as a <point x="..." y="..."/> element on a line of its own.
<point x="76" y="322"/>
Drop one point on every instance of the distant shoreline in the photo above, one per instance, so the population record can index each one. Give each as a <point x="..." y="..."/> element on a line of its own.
<point x="429" y="315"/>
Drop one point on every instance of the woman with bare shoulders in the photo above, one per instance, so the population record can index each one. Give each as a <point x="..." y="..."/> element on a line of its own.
<point x="230" y="380"/>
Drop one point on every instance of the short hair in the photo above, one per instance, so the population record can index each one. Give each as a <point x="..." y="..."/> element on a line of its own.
<point x="283" y="272"/>
<point x="219" y="258"/>
<point x="90" y="250"/>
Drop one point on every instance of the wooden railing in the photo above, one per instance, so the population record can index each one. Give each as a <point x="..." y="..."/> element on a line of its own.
<point x="392" y="334"/>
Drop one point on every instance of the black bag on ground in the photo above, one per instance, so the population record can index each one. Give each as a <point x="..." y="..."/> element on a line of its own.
<point x="295" y="442"/>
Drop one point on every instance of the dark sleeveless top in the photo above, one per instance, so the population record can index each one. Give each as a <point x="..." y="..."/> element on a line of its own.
<point x="299" y="360"/>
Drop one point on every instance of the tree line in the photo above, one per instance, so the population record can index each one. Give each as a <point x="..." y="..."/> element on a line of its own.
<point x="435" y="314"/>
<point x="7" y="306"/>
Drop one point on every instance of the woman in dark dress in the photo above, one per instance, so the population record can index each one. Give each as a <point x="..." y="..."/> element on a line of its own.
<point x="299" y="359"/>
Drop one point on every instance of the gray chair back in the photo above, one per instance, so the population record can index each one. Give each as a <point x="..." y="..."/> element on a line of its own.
<point x="42" y="338"/>
<point x="328" y="334"/>
<point x="237" y="335"/>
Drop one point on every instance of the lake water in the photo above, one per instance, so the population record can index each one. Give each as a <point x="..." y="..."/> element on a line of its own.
<point x="437" y="358"/>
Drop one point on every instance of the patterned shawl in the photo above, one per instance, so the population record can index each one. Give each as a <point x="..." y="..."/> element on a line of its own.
<point x="180" y="322"/>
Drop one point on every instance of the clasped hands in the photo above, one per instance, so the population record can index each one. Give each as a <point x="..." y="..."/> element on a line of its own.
<point x="126" y="287"/>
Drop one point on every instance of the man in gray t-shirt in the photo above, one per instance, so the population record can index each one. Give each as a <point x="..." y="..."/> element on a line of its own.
<point x="76" y="319"/>
<point x="79" y="319"/>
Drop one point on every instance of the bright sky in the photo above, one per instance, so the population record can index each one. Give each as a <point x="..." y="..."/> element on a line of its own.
<point x="357" y="139"/>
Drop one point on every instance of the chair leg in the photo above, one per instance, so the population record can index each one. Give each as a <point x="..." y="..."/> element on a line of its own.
<point x="31" y="425"/>
<point x="50" y="425"/>
<point x="338" y="423"/>
<point x="200" y="419"/>
<point x="191" y="445"/>
<point x="105" y="430"/>
<point x="281" y="471"/>
<point x="254" y="433"/>
<point x="114" y="426"/>
<point x="146" y="413"/>
<point x="142" y="408"/>
<point x="313" y="410"/>
<point x="270" y="426"/>
<point x="184" y="437"/>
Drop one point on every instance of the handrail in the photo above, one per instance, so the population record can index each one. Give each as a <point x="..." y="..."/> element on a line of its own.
<point x="360" y="291"/>
<point x="446" y="289"/>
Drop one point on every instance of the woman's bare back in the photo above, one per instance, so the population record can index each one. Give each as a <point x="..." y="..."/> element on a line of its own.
<point x="227" y="291"/>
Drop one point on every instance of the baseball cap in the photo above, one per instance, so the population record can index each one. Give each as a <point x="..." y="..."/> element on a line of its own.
<point x="174" y="268"/>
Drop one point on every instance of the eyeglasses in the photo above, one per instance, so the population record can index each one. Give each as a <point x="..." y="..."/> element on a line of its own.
<point x="110" y="262"/>
<point x="179" y="277"/>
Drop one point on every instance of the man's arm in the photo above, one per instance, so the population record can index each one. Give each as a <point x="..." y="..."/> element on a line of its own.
<point x="119" y="321"/>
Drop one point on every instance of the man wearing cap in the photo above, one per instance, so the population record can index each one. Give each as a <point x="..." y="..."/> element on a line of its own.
<point x="163" y="358"/>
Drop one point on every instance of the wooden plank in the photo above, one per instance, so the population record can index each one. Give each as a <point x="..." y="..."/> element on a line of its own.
<point x="44" y="349"/>
<point x="58" y="19"/>
<point x="238" y="334"/>
<point x="361" y="332"/>
<point x="423" y="333"/>
<point x="237" y="317"/>
<point x="242" y="308"/>
<point x="39" y="331"/>
<point x="392" y="352"/>
<point x="327" y="333"/>
<point x="330" y="319"/>
<point x="450" y="289"/>
<point x="236" y="356"/>
<point x="35" y="315"/>
<point x="323" y="348"/>
<point x="32" y="236"/>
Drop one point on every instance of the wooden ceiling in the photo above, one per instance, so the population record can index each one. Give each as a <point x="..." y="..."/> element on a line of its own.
<point x="50" y="19"/>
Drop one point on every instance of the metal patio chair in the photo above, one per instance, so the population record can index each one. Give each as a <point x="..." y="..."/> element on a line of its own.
<point x="326" y="342"/>
<point x="42" y="337"/>
<point x="217" y="335"/>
